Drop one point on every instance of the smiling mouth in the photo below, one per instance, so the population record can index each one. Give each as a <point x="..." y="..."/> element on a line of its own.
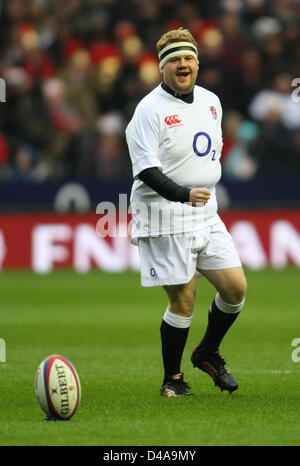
<point x="183" y="74"/>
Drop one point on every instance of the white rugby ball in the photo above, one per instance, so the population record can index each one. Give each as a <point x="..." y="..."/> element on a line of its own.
<point x="57" y="387"/>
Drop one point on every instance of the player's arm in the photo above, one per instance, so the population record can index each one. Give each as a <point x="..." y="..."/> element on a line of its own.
<point x="160" y="183"/>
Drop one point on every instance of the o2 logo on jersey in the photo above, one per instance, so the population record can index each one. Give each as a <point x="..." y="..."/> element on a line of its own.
<point x="202" y="145"/>
<point x="153" y="272"/>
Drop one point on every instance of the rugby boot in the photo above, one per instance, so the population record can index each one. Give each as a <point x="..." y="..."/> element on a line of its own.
<point x="214" y="366"/>
<point x="175" y="386"/>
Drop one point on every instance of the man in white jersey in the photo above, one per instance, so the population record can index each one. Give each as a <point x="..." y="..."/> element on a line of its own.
<point x="175" y="143"/>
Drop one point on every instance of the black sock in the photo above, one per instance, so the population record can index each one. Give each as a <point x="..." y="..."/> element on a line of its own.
<point x="219" y="323"/>
<point x="173" y="340"/>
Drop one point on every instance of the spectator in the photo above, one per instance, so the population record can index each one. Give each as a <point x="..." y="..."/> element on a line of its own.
<point x="242" y="162"/>
<point x="276" y="146"/>
<point x="68" y="129"/>
<point x="79" y="90"/>
<point x="22" y="167"/>
<point x="277" y="99"/>
<point x="111" y="160"/>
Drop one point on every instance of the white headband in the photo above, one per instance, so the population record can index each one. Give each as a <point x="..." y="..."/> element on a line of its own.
<point x="177" y="49"/>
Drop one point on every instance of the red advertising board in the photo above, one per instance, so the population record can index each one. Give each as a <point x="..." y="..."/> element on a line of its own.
<point x="42" y="242"/>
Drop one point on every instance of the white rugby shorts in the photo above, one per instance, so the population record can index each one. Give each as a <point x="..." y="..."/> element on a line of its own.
<point x="175" y="259"/>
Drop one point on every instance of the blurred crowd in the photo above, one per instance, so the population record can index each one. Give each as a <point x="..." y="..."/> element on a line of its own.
<point x="75" y="70"/>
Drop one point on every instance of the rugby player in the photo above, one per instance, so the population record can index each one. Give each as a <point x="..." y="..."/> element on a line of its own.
<point x="175" y="143"/>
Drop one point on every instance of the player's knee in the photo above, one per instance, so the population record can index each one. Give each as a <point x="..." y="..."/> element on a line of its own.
<point x="183" y="304"/>
<point x="186" y="309"/>
<point x="182" y="299"/>
<point x="236" y="294"/>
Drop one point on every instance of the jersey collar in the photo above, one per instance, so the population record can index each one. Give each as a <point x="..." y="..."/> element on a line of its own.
<point x="188" y="98"/>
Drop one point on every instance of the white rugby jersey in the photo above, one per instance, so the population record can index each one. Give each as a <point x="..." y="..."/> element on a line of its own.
<point x="184" y="140"/>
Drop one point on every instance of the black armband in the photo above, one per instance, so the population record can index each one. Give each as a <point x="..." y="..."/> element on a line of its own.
<point x="165" y="187"/>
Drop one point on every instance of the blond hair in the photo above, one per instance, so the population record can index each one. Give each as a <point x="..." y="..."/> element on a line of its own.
<point x="176" y="35"/>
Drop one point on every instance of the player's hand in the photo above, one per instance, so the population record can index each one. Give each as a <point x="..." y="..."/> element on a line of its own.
<point x="199" y="196"/>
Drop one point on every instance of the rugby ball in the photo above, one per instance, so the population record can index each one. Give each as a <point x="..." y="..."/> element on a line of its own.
<point x="57" y="387"/>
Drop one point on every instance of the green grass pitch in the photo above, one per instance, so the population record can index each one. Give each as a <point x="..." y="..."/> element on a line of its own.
<point x="108" y="327"/>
